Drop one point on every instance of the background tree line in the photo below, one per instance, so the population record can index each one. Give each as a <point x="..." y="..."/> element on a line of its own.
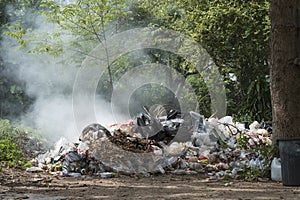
<point x="235" y="34"/>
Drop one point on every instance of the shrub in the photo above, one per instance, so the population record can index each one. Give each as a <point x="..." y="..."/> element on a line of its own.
<point x="16" y="145"/>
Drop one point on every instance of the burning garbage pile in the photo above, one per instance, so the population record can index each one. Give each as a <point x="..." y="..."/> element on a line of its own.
<point x="178" y="143"/>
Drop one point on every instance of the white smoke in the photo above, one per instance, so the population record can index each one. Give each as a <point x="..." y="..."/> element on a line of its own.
<point x="50" y="82"/>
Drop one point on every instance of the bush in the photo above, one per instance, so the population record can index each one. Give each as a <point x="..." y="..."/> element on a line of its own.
<point x="16" y="145"/>
<point x="10" y="153"/>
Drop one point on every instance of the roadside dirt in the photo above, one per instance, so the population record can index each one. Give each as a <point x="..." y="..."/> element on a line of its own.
<point x="17" y="184"/>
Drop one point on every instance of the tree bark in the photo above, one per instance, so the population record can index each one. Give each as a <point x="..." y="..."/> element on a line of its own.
<point x="285" y="68"/>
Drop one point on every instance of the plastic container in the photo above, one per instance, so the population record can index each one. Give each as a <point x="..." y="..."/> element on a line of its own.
<point x="107" y="175"/>
<point x="290" y="161"/>
<point x="276" y="170"/>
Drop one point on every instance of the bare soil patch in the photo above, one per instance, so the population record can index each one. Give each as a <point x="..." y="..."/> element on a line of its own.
<point x="17" y="184"/>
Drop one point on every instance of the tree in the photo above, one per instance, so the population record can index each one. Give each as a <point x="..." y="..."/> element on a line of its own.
<point x="236" y="35"/>
<point x="88" y="20"/>
<point x="13" y="99"/>
<point x="285" y="67"/>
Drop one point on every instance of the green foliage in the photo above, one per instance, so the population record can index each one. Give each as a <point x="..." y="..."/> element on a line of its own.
<point x="257" y="102"/>
<point x="236" y="35"/>
<point x="16" y="146"/>
<point x="10" y="153"/>
<point x="18" y="32"/>
<point x="87" y="20"/>
<point x="201" y="91"/>
<point x="13" y="99"/>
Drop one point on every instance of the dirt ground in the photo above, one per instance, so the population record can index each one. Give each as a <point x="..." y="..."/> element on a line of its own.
<point x="17" y="184"/>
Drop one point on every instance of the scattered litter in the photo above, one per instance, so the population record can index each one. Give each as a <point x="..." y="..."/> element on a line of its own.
<point x="34" y="169"/>
<point x="107" y="175"/>
<point x="276" y="169"/>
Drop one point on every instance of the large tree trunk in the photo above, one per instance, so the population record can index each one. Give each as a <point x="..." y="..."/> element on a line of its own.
<point x="285" y="68"/>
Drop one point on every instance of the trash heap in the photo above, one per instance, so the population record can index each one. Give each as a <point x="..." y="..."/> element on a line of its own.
<point x="178" y="143"/>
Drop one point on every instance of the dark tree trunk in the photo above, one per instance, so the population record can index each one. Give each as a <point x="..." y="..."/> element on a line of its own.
<point x="285" y="68"/>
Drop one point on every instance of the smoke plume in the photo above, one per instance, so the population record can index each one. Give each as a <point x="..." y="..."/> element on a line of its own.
<point x="49" y="80"/>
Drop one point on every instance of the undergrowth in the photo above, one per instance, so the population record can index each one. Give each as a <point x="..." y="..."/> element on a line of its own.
<point x="17" y="146"/>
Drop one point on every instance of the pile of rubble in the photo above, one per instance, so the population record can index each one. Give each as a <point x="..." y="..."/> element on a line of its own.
<point x="179" y="143"/>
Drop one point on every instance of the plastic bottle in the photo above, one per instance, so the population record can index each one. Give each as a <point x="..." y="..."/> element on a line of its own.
<point x="276" y="169"/>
